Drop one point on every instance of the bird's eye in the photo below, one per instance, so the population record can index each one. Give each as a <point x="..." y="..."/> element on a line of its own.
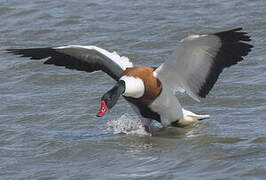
<point x="103" y="109"/>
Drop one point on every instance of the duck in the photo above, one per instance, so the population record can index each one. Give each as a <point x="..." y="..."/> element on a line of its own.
<point x="192" y="68"/>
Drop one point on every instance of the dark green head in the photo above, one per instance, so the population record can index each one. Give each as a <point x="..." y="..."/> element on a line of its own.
<point x="110" y="98"/>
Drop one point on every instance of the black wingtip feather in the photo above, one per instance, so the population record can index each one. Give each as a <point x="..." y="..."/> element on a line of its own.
<point x="233" y="49"/>
<point x="32" y="53"/>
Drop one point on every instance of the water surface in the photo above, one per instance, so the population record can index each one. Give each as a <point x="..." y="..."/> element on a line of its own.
<point x="48" y="128"/>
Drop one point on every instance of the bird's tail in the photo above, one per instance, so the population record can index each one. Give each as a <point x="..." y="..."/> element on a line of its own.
<point x="190" y="116"/>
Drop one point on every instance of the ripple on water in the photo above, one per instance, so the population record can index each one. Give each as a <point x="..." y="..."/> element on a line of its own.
<point x="68" y="22"/>
<point x="5" y="10"/>
<point x="48" y="127"/>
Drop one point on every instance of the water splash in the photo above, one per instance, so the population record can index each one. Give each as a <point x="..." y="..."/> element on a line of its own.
<point x="126" y="124"/>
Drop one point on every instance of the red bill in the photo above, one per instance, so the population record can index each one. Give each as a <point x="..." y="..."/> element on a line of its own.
<point x="103" y="109"/>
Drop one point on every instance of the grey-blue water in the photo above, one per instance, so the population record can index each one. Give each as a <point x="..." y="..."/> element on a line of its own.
<point x="48" y="127"/>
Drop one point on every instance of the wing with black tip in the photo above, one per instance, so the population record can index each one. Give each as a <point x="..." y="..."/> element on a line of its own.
<point x="197" y="62"/>
<point x="83" y="58"/>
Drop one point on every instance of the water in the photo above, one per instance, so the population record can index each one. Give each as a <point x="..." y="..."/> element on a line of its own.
<point x="48" y="127"/>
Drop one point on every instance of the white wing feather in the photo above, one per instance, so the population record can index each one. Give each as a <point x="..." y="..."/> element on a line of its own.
<point x="122" y="61"/>
<point x="187" y="68"/>
<point x="197" y="62"/>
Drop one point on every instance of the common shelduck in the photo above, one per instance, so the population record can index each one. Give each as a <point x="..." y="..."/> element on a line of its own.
<point x="193" y="67"/>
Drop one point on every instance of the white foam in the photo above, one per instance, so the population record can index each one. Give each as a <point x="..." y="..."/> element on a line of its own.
<point x="127" y="125"/>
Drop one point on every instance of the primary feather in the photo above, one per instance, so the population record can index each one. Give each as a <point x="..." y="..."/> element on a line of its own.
<point x="83" y="58"/>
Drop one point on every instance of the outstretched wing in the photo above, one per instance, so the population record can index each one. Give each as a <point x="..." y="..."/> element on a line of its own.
<point x="83" y="58"/>
<point x="197" y="62"/>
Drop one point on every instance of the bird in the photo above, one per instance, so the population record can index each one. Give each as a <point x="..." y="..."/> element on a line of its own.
<point x="192" y="68"/>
